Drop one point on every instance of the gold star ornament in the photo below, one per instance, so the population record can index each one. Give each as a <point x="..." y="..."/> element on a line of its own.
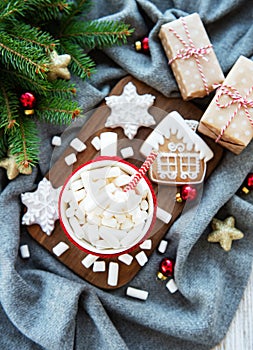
<point x="224" y="232"/>
<point x="58" y="66"/>
<point x="12" y="168"/>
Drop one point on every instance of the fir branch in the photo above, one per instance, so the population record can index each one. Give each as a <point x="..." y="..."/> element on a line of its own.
<point x="81" y="64"/>
<point x="31" y="35"/>
<point x="48" y="10"/>
<point x="9" y="106"/>
<point x="3" y="145"/>
<point x="92" y="34"/>
<point x="24" y="58"/>
<point x="77" y="8"/>
<point x="11" y="9"/>
<point x="59" y="88"/>
<point x="24" y="143"/>
<point x="57" y="111"/>
<point x="29" y="31"/>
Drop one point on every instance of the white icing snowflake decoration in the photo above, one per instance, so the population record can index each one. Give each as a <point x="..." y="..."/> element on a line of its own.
<point x="42" y="206"/>
<point x="130" y="110"/>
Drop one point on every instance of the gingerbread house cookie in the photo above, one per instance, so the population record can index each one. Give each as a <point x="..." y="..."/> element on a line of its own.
<point x="182" y="154"/>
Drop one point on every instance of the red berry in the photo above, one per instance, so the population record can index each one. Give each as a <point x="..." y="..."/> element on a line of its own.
<point x="188" y="193"/>
<point x="250" y="181"/>
<point x="166" y="267"/>
<point x="27" y="100"/>
<point x="145" y="45"/>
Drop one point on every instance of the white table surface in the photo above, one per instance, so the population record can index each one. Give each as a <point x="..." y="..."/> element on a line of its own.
<point x="240" y="333"/>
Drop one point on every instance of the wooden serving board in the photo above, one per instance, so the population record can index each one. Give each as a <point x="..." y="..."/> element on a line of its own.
<point x="166" y="197"/>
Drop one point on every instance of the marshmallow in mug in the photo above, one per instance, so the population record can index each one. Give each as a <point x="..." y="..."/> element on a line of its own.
<point x="100" y="213"/>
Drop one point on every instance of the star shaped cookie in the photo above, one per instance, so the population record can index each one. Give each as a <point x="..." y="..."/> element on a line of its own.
<point x="58" y="66"/>
<point x="224" y="232"/>
<point x="130" y="110"/>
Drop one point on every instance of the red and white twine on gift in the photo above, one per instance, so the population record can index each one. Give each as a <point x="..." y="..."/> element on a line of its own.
<point x="190" y="50"/>
<point x="236" y="98"/>
<point x="142" y="171"/>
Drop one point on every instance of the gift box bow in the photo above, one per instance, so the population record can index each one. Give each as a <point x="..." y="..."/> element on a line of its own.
<point x="235" y="98"/>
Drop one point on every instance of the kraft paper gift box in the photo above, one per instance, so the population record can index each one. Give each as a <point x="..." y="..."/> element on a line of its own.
<point x="191" y="56"/>
<point x="229" y="117"/>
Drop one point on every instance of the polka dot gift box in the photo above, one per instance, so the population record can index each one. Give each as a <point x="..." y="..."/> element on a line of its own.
<point x="191" y="56"/>
<point x="229" y="117"/>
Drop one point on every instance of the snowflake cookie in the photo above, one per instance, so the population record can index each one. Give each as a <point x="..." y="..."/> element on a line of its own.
<point x="130" y="110"/>
<point x="42" y="206"/>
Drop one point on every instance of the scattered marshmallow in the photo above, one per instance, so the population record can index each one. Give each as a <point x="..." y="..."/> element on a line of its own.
<point x="78" y="145"/>
<point x="56" y="141"/>
<point x="127" y="152"/>
<point x="70" y="211"/>
<point x="80" y="216"/>
<point x="127" y="225"/>
<point x="89" y="260"/>
<point x="79" y="195"/>
<point x="113" y="274"/>
<point x="171" y="286"/>
<point x="144" y="205"/>
<point x="126" y="259"/>
<point x="131" y="236"/>
<point x="163" y="215"/>
<point x="146" y="245"/>
<point x="141" y="258"/>
<point x="77" y="228"/>
<point x="162" y="246"/>
<point x="133" y="200"/>
<point x="99" y="266"/>
<point x="96" y="143"/>
<point x="70" y="159"/>
<point x="122" y="180"/>
<point x="93" y="219"/>
<point x="98" y="173"/>
<point x="102" y="244"/>
<point x="76" y="185"/>
<point x="67" y="196"/>
<point x="109" y="237"/>
<point x="93" y="234"/>
<point x="87" y="204"/>
<point x="114" y="171"/>
<point x="108" y="143"/>
<point x="137" y="293"/>
<point x="110" y="188"/>
<point x="24" y="251"/>
<point x="60" y="248"/>
<point x="110" y="222"/>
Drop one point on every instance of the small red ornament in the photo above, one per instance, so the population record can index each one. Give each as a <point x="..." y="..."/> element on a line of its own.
<point x="248" y="184"/>
<point x="166" y="268"/>
<point x="27" y="100"/>
<point x="187" y="192"/>
<point x="250" y="181"/>
<point x="143" y="45"/>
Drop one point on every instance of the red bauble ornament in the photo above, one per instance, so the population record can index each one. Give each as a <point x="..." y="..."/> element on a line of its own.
<point x="142" y="46"/>
<point x="187" y="192"/>
<point x="27" y="100"/>
<point x="248" y="184"/>
<point x="249" y="181"/>
<point x="166" y="268"/>
<point x="145" y="45"/>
